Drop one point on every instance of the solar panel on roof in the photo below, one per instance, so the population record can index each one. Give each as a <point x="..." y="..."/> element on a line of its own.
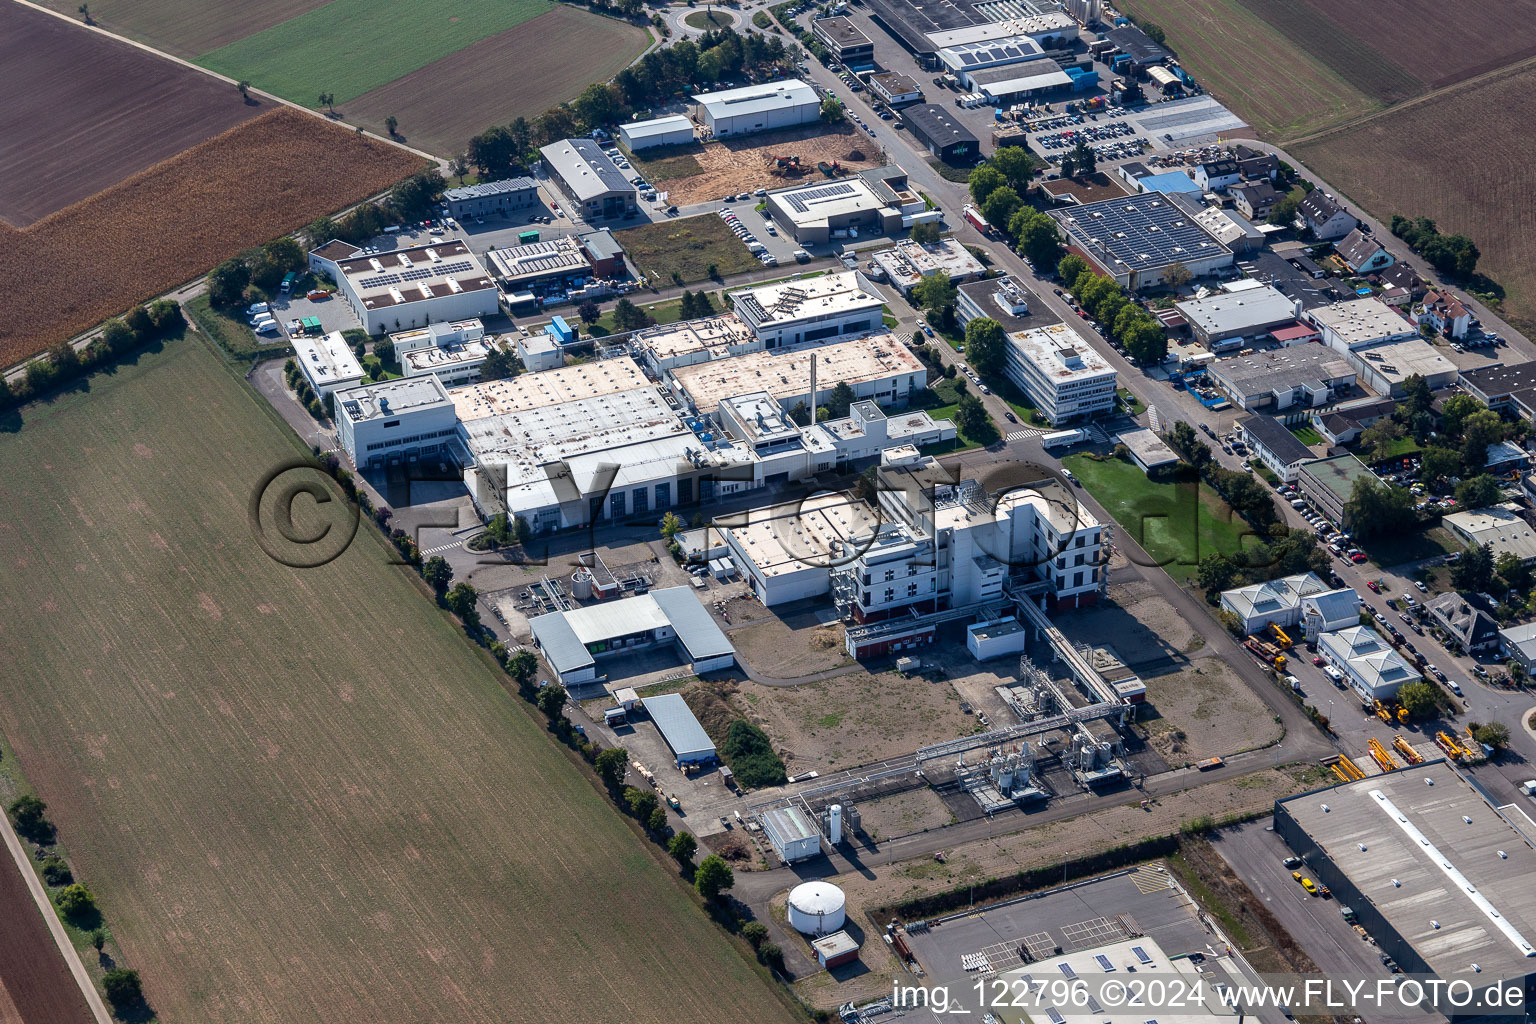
<point x="1056" y="1018"/>
<point x="1093" y="1005"/>
<point x="1067" y="970"/>
<point x="799" y="199"/>
<point x="1104" y="961"/>
<point x="1141" y="954"/>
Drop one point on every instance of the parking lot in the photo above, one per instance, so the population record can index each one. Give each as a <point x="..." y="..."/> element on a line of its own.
<point x="1107" y="133"/>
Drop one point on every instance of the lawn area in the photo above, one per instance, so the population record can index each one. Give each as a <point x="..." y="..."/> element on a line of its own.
<point x="708" y="20"/>
<point x="231" y="334"/>
<point x="349" y="47"/>
<point x="1402" y="447"/>
<point x="682" y="251"/>
<point x="667" y="312"/>
<point x="1017" y="400"/>
<point x="941" y="401"/>
<point x="1306" y="435"/>
<point x="1412" y="547"/>
<point x="1131" y="403"/>
<point x="300" y="795"/>
<point x="1176" y="523"/>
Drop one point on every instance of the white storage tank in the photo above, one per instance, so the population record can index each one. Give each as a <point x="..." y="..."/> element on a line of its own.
<point x="816" y="908"/>
<point x="581" y="585"/>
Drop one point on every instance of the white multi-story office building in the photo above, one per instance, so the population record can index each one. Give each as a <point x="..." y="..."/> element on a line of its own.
<point x="1061" y="373"/>
<point x="814" y="309"/>
<point x="327" y="362"/>
<point x="397" y="420"/>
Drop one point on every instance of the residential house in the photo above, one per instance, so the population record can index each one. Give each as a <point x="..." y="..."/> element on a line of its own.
<point x="1253" y="164"/>
<point x="1445" y="313"/>
<point x="1254" y="199"/>
<point x="1320" y="214"/>
<point x="1471" y="629"/>
<point x="1345" y="423"/>
<point x="1215" y="175"/>
<point x="1362" y="254"/>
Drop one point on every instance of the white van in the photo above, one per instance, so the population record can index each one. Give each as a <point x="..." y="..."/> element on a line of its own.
<point x="756" y="247"/>
<point x="801" y="255"/>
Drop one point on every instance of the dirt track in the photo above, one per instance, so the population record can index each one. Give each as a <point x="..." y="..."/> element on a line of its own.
<point x="83" y="112"/>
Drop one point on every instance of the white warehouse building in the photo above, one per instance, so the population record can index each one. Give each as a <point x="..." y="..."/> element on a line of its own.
<point x="659" y="131"/>
<point x="400" y="288"/>
<point x="812" y="309"/>
<point x="328" y="362"/>
<point x="396" y="420"/>
<point x="758" y="108"/>
<point x="1061" y="373"/>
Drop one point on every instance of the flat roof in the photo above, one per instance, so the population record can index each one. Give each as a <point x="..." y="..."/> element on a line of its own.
<point x="586" y="170"/>
<point x="1273" y="435"/>
<point x="390" y="398"/>
<point x="1361" y="322"/>
<point x="1252" y="309"/>
<point x="489" y="188"/>
<point x="785" y="373"/>
<point x="1398" y="360"/>
<point x="1338" y="474"/>
<point x="1448" y="872"/>
<point x="814" y="204"/>
<point x="1282" y="369"/>
<point x="1059" y="352"/>
<point x="399" y="276"/>
<point x="677" y="724"/>
<point x="1168" y="181"/>
<point x="841" y="31"/>
<point x="785" y="302"/>
<point x="1038" y="19"/>
<point x="757" y="99"/>
<point x="444" y="351"/>
<point x="714" y="337"/>
<point x="894" y="83"/>
<point x="986" y="53"/>
<point x="997" y="297"/>
<point x="1028" y="77"/>
<point x="908" y="262"/>
<point x="1501" y="527"/>
<point x="822" y="530"/>
<point x="1497" y="381"/>
<point x="1141" y="232"/>
<point x="535" y="260"/>
<point x="529" y="391"/>
<point x="328" y="359"/>
<point x="936" y="125"/>
<point x="1148" y="448"/>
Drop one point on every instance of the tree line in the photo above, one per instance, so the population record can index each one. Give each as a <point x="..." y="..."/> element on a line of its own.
<point x="120" y="337"/>
<point x="1143" y="338"/>
<point x="998" y="187"/>
<point x="1451" y="255"/>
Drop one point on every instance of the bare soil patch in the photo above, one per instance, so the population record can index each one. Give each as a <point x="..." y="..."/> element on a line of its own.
<point x="903" y="814"/>
<point x="520" y="72"/>
<point x="186" y="28"/>
<point x="83" y="111"/>
<point x="1204" y="710"/>
<point x="771" y="647"/>
<point x="731" y="166"/>
<point x="170" y="223"/>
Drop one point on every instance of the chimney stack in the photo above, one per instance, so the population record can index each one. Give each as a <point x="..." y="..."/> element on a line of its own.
<point x="812" y="402"/>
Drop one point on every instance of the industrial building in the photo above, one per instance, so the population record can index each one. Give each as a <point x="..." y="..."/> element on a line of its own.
<point x="1062" y="374"/>
<point x="923" y="30"/>
<point x="676" y="130"/>
<point x="393" y="289"/>
<point x="1142" y="50"/>
<point x="1016" y="83"/>
<point x="1149" y="452"/>
<point x="453" y="351"/>
<point x="816" y="908"/>
<point x="327" y="362"/>
<point x="1360" y="323"/>
<point x="845" y="41"/>
<point x="1518" y="643"/>
<point x="1501" y="527"/>
<point x="896" y="89"/>
<point x="695" y="341"/>
<point x="1136" y="239"/>
<point x="962" y="59"/>
<point x="996" y="638"/>
<point x="540" y="352"/>
<point x="554" y="267"/>
<point x="1434" y="871"/>
<point x="758" y="108"/>
<point x="907" y="262"/>
<point x="943" y="134"/>
<point x="572" y="640"/>
<point x="392" y="421"/>
<point x="867" y="203"/>
<point x="675" y="720"/>
<point x="589" y="179"/>
<point x="809" y="309"/>
<point x="1382" y="346"/>
<point x="1228" y="319"/>
<point x="1229" y="227"/>
<point x="1275" y="445"/>
<point x="1330" y="483"/>
<point x="1307" y="375"/>
<point x="1272" y="603"/>
<point x="1002" y="299"/>
<point x="507" y="196"/>
<point x="1167" y="182"/>
<point x="877" y="367"/>
<point x="794" y="838"/>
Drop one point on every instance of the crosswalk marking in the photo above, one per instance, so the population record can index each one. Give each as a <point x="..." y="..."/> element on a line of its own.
<point x="440" y="549"/>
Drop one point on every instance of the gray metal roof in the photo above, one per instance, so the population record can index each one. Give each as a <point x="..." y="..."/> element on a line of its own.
<point x="585" y="168"/>
<point x="679" y="728"/>
<point x="562" y="648"/>
<point x="1285" y="446"/>
<point x="695" y="628"/>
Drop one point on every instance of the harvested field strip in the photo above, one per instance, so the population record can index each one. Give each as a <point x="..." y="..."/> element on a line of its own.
<point x="522" y="71"/>
<point x="300" y="795"/>
<point x="1349" y="56"/>
<point x="83" y="111"/>
<point x="1263" y="76"/>
<point x="186" y="28"/>
<point x="35" y="985"/>
<point x="348" y="47"/>
<point x="171" y="223"/>
<point x="1381" y="164"/>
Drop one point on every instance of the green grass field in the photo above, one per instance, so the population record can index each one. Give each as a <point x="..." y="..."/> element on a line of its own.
<point x="686" y="248"/>
<point x="349" y="47"/>
<point x="301" y="795"/>
<point x="1177" y="524"/>
<point x="1306" y="435"/>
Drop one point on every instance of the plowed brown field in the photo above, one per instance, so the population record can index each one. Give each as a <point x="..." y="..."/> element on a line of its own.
<point x="35" y="986"/>
<point x="82" y="111"/>
<point x="170" y="223"/>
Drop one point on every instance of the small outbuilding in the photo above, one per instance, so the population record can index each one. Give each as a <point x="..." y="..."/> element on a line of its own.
<point x="836" y="949"/>
<point x="794" y="837"/>
<point x="659" y="131"/>
<point x="675" y="720"/>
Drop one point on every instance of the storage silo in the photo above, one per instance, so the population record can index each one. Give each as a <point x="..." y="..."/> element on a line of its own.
<point x="816" y="908"/>
<point x="581" y="585"/>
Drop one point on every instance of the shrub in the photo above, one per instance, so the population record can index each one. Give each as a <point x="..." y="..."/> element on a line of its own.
<point x="75" y="900"/>
<point x="56" y="872"/>
<point x="123" y="988"/>
<point x="27" y="816"/>
<point x="755" y="932"/>
<point x="751" y="756"/>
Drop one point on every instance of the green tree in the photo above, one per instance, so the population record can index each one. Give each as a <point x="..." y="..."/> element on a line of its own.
<point x="1420" y="699"/>
<point x="671" y="525"/>
<point x="523" y="666"/>
<point x="1378" y="439"/>
<point x="243" y="86"/>
<point x="1454" y="411"/>
<point x="461" y="601"/>
<point x="123" y="988"/>
<point x="1493" y="734"/>
<point x="1437" y="465"/>
<point x="75" y="901"/>
<point x="495" y="152"/>
<point x="1177" y="275"/>
<point x="1474" y="571"/>
<point x="27" y="815"/>
<point x="1479" y="430"/>
<point x="459" y="166"/>
<point x="841" y="400"/>
<point x="612" y="765"/>
<point x="391" y="123"/>
<point x="925" y="233"/>
<point x="1070" y="267"/>
<point x="656" y="821"/>
<point x="321" y="230"/>
<point x="682" y="847"/>
<point x="999" y="207"/>
<point x="1514" y="572"/>
<point x="98" y="939"/>
<point x="1417" y="397"/>
<point x="438" y="574"/>
<point x="831" y="110"/>
<point x="1376" y="509"/>
<point x="934" y="294"/>
<point x="499" y="364"/>
<point x="629" y="317"/>
<point x="1216" y="573"/>
<point x="1038" y="238"/>
<point x="1478" y="492"/>
<point x="984" y="344"/>
<point x="1017" y="167"/>
<point x="1084" y="160"/>
<point x="641" y="802"/>
<point x="1284" y="210"/>
<point x="985" y="180"/>
<point x="755" y="932"/>
<point x="972" y="419"/>
<point x="589" y="311"/>
<point x="713" y="877"/>
<point x="227" y="281"/>
<point x="551" y="700"/>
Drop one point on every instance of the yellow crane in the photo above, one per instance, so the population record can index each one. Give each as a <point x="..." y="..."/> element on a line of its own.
<point x="1406" y="749"/>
